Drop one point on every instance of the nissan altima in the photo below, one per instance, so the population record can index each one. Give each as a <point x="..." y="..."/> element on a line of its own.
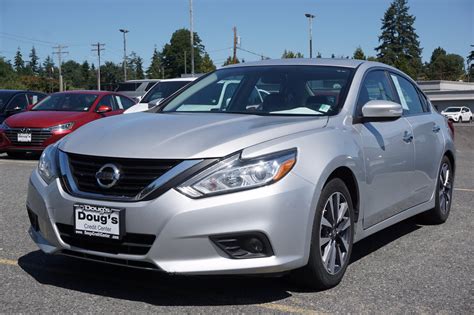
<point x="335" y="151"/>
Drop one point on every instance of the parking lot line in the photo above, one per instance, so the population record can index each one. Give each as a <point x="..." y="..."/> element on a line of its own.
<point x="18" y="162"/>
<point x="464" y="189"/>
<point x="8" y="262"/>
<point x="287" y="309"/>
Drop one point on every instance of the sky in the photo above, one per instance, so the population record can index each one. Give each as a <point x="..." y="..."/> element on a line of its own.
<point x="266" y="27"/>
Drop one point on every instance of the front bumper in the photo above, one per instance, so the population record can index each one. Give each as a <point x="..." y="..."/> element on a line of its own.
<point x="183" y="226"/>
<point x="8" y="146"/>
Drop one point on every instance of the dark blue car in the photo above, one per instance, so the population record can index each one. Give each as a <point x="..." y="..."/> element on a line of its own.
<point x="15" y="101"/>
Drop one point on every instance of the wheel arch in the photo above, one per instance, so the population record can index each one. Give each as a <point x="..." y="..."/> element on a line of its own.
<point x="451" y="158"/>
<point x="348" y="177"/>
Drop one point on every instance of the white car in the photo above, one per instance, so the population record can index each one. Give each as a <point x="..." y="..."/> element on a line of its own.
<point x="458" y="114"/>
<point x="158" y="92"/>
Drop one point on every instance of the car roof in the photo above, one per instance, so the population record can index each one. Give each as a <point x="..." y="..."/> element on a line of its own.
<point x="18" y="91"/>
<point x="87" y="92"/>
<point x="190" y="79"/>
<point x="349" y="63"/>
<point x="142" y="80"/>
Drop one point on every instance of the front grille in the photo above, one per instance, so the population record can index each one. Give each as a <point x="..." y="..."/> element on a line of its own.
<point x="131" y="243"/>
<point x="115" y="261"/>
<point x="38" y="136"/>
<point x="135" y="174"/>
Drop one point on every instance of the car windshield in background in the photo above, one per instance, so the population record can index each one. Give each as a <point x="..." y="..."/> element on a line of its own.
<point x="67" y="102"/>
<point x="280" y="90"/>
<point x="4" y="98"/>
<point x="453" y="110"/>
<point x="128" y="86"/>
<point x="163" y="90"/>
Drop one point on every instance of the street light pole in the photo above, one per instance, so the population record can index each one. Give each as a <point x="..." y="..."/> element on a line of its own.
<point x="124" y="31"/>
<point x="310" y="19"/>
<point x="192" y="35"/>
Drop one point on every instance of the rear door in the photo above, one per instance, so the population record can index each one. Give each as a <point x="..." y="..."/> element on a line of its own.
<point x="388" y="155"/>
<point x="427" y="138"/>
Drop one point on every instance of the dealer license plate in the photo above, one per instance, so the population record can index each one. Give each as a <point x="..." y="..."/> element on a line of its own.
<point x="24" y="137"/>
<point x="99" y="221"/>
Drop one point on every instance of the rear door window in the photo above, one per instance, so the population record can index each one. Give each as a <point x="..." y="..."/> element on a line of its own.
<point x="409" y="98"/>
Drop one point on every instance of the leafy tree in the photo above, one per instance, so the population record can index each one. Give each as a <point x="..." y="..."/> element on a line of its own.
<point x="399" y="45"/>
<point x="86" y="76"/>
<point x="470" y="69"/>
<point x="8" y="77"/>
<point x="372" y="58"/>
<point x="72" y="74"/>
<point x="154" y="70"/>
<point x="359" y="54"/>
<point x="110" y="74"/>
<point x="19" y="63"/>
<point x="136" y="67"/>
<point x="231" y="61"/>
<point x="172" y="56"/>
<point x="290" y="54"/>
<point x="34" y="65"/>
<point x="140" y="74"/>
<point x="445" y="66"/>
<point x="207" y="65"/>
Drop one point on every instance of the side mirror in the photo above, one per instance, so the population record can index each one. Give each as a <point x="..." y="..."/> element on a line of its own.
<point x="102" y="109"/>
<point x="13" y="110"/>
<point x="154" y="103"/>
<point x="379" y="110"/>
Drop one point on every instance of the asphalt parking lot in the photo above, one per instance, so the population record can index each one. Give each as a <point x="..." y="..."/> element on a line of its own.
<point x="408" y="268"/>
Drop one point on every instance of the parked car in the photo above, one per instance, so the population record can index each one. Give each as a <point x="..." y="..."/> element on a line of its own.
<point x="135" y="89"/>
<point x="56" y="116"/>
<point x="458" y="114"/>
<point x="15" y="101"/>
<point x="340" y="150"/>
<point x="158" y="92"/>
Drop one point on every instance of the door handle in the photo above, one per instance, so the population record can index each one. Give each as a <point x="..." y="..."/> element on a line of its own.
<point x="407" y="137"/>
<point x="436" y="128"/>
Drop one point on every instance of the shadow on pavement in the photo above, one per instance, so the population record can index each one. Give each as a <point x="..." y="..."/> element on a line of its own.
<point x="168" y="290"/>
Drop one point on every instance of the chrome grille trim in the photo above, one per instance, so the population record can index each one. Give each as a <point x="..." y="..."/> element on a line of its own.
<point x="38" y="135"/>
<point x="72" y="187"/>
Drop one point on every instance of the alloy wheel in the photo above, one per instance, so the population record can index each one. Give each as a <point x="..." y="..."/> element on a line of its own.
<point x="445" y="188"/>
<point x="335" y="233"/>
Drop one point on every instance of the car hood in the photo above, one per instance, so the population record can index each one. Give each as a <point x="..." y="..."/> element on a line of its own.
<point x="43" y="119"/>
<point x="182" y="135"/>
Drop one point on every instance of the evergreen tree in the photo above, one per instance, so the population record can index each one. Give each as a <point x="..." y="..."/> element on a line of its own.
<point x="319" y="55"/>
<point x="139" y="68"/>
<point x="207" y="65"/>
<point x="172" y="56"/>
<point x="290" y="54"/>
<point x="445" y="66"/>
<point x="154" y="70"/>
<point x="19" y="64"/>
<point x="86" y="75"/>
<point x="359" y="54"/>
<point x="333" y="56"/>
<point x="399" y="45"/>
<point x="34" y="62"/>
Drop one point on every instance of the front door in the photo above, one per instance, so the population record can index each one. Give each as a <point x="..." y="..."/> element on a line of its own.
<point x="388" y="152"/>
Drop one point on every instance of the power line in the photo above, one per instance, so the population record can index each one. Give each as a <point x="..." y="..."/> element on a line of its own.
<point x="28" y="38"/>
<point x="98" y="48"/>
<point x="253" y="53"/>
<point x="59" y="51"/>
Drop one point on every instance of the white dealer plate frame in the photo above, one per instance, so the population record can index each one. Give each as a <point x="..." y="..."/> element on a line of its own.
<point x="23" y="137"/>
<point x="97" y="229"/>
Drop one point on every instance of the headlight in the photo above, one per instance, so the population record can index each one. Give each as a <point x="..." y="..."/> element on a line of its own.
<point x="235" y="174"/>
<point x="62" y="127"/>
<point x="48" y="163"/>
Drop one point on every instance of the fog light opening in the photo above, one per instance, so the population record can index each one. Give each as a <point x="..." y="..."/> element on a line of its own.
<point x="244" y="245"/>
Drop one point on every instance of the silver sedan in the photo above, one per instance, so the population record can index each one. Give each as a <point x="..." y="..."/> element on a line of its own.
<point x="282" y="169"/>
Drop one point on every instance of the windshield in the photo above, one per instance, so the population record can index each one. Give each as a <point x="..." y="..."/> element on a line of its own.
<point x="163" y="90"/>
<point x="4" y="98"/>
<point x="267" y="90"/>
<point x="66" y="102"/>
<point x="452" y="109"/>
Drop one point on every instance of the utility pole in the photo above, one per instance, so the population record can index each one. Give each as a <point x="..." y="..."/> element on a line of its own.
<point x="98" y="48"/>
<point x="310" y="19"/>
<point x="59" y="51"/>
<point x="124" y="31"/>
<point x="185" y="70"/>
<point x="192" y="35"/>
<point x="234" y="56"/>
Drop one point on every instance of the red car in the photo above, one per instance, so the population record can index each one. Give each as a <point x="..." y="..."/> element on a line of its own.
<point x="56" y="116"/>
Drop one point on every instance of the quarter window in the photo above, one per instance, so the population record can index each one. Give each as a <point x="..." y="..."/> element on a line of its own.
<point x="409" y="98"/>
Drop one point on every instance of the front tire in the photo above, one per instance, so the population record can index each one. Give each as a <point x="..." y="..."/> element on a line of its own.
<point x="332" y="238"/>
<point x="444" y="192"/>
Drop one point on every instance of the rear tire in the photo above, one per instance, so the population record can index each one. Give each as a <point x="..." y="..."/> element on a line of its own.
<point x="332" y="238"/>
<point x="444" y="195"/>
